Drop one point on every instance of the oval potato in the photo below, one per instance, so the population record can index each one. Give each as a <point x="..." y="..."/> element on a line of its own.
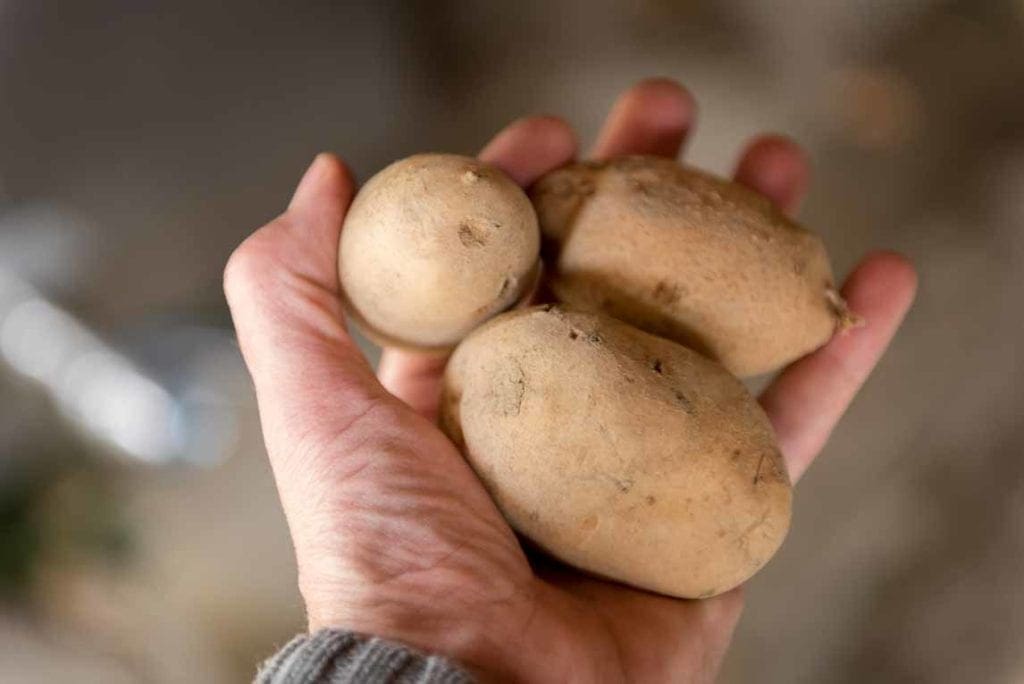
<point x="432" y="246"/>
<point x="618" y="452"/>
<point x="688" y="256"/>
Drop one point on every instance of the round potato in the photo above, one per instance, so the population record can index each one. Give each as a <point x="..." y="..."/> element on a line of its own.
<point x="432" y="246"/>
<point x="688" y="256"/>
<point x="618" y="452"/>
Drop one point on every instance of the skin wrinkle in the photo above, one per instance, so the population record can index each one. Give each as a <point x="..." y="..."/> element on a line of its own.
<point x="382" y="520"/>
<point x="418" y="591"/>
<point x="399" y="599"/>
<point x="424" y="503"/>
<point x="312" y="443"/>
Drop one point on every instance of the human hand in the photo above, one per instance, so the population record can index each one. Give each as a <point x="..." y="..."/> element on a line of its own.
<point x="394" y="535"/>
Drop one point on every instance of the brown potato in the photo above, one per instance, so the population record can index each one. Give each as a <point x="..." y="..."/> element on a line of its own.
<point x="688" y="256"/>
<point x="432" y="246"/>
<point x="618" y="452"/>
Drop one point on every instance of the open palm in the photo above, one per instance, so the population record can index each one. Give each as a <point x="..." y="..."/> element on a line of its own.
<point x="393" y="533"/>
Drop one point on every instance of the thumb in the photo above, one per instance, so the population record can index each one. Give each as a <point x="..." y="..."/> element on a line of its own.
<point x="281" y="285"/>
<point x="370" y="489"/>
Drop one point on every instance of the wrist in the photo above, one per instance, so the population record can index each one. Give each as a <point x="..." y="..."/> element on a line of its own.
<point x="515" y="639"/>
<point x="473" y="636"/>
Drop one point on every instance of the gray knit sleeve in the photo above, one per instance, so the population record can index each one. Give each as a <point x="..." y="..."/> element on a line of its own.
<point x="340" y="657"/>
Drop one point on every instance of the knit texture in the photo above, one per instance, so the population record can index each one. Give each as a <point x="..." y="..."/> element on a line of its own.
<point x="339" y="657"/>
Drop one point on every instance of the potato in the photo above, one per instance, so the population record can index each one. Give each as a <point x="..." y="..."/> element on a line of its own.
<point x="618" y="452"/>
<point x="432" y="246"/>
<point x="688" y="256"/>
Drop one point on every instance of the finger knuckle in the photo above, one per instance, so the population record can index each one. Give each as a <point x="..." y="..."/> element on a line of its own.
<point x="250" y="262"/>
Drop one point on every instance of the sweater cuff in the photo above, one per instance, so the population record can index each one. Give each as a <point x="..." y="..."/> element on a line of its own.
<point x="339" y="657"/>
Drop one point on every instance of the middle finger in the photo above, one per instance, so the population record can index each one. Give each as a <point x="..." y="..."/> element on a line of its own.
<point x="653" y="117"/>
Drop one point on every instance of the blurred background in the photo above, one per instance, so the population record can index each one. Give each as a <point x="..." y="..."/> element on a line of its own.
<point x="140" y="536"/>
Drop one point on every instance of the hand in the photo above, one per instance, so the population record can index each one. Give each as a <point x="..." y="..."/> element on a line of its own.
<point x="394" y="535"/>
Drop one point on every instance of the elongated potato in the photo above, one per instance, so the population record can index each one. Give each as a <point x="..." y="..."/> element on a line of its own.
<point x="434" y="245"/>
<point x="688" y="256"/>
<point x="619" y="452"/>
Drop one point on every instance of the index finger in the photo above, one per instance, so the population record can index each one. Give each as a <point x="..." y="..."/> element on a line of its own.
<point x="528" y="148"/>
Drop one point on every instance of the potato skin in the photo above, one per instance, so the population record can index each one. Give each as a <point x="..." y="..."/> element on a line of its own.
<point x="432" y="246"/>
<point x="688" y="256"/>
<point x="618" y="452"/>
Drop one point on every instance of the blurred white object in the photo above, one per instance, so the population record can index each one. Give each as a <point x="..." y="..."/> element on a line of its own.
<point x="93" y="385"/>
<point x="177" y="411"/>
<point x="101" y="390"/>
<point x="45" y="244"/>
